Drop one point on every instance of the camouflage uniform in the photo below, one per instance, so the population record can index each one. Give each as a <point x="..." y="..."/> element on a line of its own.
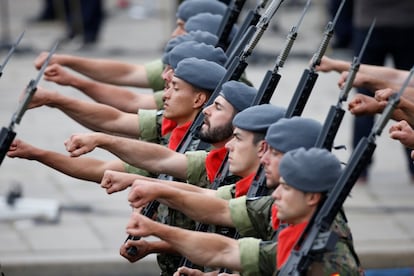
<point x="150" y="128"/>
<point x="154" y="70"/>
<point x="196" y="174"/>
<point x="156" y="83"/>
<point x="249" y="214"/>
<point x="258" y="257"/>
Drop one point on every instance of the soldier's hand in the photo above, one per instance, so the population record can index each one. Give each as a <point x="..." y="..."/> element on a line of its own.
<point x="114" y="181"/>
<point x="193" y="272"/>
<point x="79" y="144"/>
<point x="142" y="192"/>
<point x="326" y="65"/>
<point x="384" y="94"/>
<point x="365" y="105"/>
<point x="42" y="97"/>
<point x="142" y="249"/>
<point x="20" y="149"/>
<point x="41" y="58"/>
<point x="59" y="75"/>
<point x="403" y="132"/>
<point x="140" y="226"/>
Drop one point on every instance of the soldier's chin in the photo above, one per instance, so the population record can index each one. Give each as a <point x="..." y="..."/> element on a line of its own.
<point x="271" y="184"/>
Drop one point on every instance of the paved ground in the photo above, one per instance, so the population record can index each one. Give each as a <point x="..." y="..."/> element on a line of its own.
<point x="85" y="238"/>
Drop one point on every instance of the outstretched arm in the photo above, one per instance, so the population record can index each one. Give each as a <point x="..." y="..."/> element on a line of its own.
<point x="104" y="70"/>
<point x="82" y="168"/>
<point x="114" y="181"/>
<point x="207" y="249"/>
<point x="202" y="207"/>
<point x="116" y="96"/>
<point x="384" y="73"/>
<point x="148" y="156"/>
<point x="95" y="116"/>
<point x="145" y="248"/>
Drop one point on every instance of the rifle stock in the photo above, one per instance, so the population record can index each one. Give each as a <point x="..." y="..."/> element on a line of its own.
<point x="7" y="135"/>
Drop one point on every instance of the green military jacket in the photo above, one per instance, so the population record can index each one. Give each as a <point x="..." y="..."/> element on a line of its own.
<point x="252" y="216"/>
<point x="259" y="258"/>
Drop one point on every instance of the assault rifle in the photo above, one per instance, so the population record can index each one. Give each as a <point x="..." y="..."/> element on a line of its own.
<point x="7" y="134"/>
<point x="10" y="53"/>
<point x="229" y="20"/>
<point x="238" y="62"/>
<point x="252" y="18"/>
<point x="270" y="82"/>
<point x="191" y="141"/>
<point x="317" y="237"/>
<point x="336" y="113"/>
<point x="309" y="76"/>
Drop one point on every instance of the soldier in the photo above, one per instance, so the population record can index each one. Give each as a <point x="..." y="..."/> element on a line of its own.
<point x="245" y="149"/>
<point x="306" y="176"/>
<point x="193" y="89"/>
<point x="250" y="216"/>
<point x="147" y="125"/>
<point x="120" y="97"/>
<point x="195" y="167"/>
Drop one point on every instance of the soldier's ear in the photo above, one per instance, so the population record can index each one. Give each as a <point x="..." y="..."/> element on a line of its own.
<point x="261" y="148"/>
<point x="313" y="199"/>
<point x="200" y="99"/>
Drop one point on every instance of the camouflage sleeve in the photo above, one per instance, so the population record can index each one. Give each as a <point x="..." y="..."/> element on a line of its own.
<point x="158" y="99"/>
<point x="154" y="70"/>
<point x="267" y="257"/>
<point x="249" y="256"/>
<point x="196" y="168"/>
<point x="148" y="125"/>
<point x="257" y="257"/>
<point x="131" y="169"/>
<point x="240" y="217"/>
<point x="252" y="216"/>
<point x="226" y="192"/>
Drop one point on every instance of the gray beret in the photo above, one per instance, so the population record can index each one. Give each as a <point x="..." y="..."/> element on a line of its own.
<point x="258" y="118"/>
<point x="199" y="36"/>
<point x="196" y="49"/>
<point x="200" y="73"/>
<point x="207" y="22"/>
<point x="238" y="94"/>
<point x="190" y="8"/>
<point x="312" y="170"/>
<point x="292" y="133"/>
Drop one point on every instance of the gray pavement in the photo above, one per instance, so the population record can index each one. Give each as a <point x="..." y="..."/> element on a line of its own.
<point x="83" y="238"/>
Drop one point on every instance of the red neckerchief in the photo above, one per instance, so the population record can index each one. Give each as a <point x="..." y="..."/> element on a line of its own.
<point x="167" y="126"/>
<point x="243" y="185"/>
<point x="286" y="241"/>
<point x="177" y="135"/>
<point x="275" y="220"/>
<point x="213" y="161"/>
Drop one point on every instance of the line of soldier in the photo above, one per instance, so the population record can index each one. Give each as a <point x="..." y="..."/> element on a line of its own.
<point x="298" y="175"/>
